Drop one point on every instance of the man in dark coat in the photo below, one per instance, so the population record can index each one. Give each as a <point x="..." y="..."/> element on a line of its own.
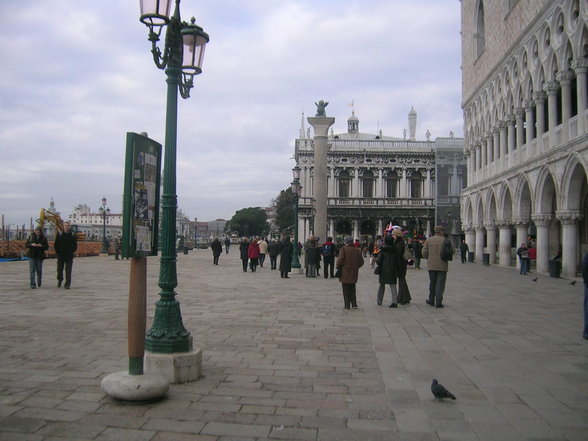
<point x="328" y="252"/>
<point x="273" y="249"/>
<point x="463" y="250"/>
<point x="244" y="251"/>
<point x="387" y="268"/>
<point x="349" y="261"/>
<point x="65" y="246"/>
<point x="286" y="257"/>
<point x="217" y="248"/>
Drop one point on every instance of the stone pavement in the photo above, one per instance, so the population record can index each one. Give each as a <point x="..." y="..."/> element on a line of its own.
<point x="283" y="360"/>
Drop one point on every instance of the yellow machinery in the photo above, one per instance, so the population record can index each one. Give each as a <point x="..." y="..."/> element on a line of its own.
<point x="55" y="219"/>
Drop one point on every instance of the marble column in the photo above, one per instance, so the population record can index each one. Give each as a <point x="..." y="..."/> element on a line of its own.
<point x="321" y="125"/>
<point x="428" y="184"/>
<point x="504" y="239"/>
<point x="511" y="143"/>
<point x="542" y="224"/>
<point x="551" y="88"/>
<point x="522" y="226"/>
<point x="580" y="66"/>
<point x="332" y="227"/>
<point x="496" y="144"/>
<point x="470" y="237"/>
<point x="355" y="229"/>
<point x="380" y="184"/>
<point x="491" y="241"/>
<point x="403" y="186"/>
<point x="380" y="227"/>
<point x="529" y="106"/>
<point x="565" y="79"/>
<point x="502" y="128"/>
<point x="480" y="236"/>
<point x="489" y="148"/>
<point x="484" y="150"/>
<point x="539" y="98"/>
<point x="520" y="129"/>
<point x="569" y="221"/>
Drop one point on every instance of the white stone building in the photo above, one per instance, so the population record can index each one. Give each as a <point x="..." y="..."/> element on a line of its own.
<point x="374" y="179"/>
<point x="526" y="128"/>
<point x="92" y="223"/>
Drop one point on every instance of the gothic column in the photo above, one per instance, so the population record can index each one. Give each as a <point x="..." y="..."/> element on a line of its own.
<point x="496" y="143"/>
<point x="569" y="221"/>
<point x="491" y="240"/>
<point x="478" y="148"/>
<point x="484" y="151"/>
<point x="539" y="98"/>
<point x="551" y="88"/>
<point x="504" y="239"/>
<point x="522" y="226"/>
<point x="502" y="127"/>
<point x="480" y="236"/>
<point x="565" y="79"/>
<point x="510" y="121"/>
<point x="580" y="66"/>
<point x="529" y="105"/>
<point x="489" y="148"/>
<point x="520" y="127"/>
<point x="542" y="223"/>
<point x="470" y="236"/>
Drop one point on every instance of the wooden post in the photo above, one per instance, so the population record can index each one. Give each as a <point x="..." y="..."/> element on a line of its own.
<point x="137" y="314"/>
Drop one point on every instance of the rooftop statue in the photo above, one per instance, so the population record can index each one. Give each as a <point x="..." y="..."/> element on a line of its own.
<point x="320" y="108"/>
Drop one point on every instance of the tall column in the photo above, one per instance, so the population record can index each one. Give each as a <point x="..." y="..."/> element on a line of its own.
<point x="332" y="227"/>
<point x="321" y="125"/>
<point x="565" y="79"/>
<point x="522" y="226"/>
<point x="455" y="185"/>
<point x="380" y="227"/>
<point x="580" y="66"/>
<point x="356" y="193"/>
<point x="478" y="156"/>
<point x="569" y="220"/>
<point x="502" y="127"/>
<point x="511" y="134"/>
<point x="539" y="98"/>
<point x="470" y="237"/>
<point x="428" y="184"/>
<point x="484" y="150"/>
<point x="542" y="223"/>
<point x="520" y="127"/>
<point x="504" y="239"/>
<point x="380" y="184"/>
<point x="331" y="191"/>
<point x="480" y="234"/>
<point x="355" y="229"/>
<point x="403" y="186"/>
<point x="491" y="240"/>
<point x="489" y="148"/>
<point x="496" y="143"/>
<point x="551" y="88"/>
<point x="529" y="105"/>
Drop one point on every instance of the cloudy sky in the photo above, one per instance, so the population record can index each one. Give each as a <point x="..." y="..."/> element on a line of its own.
<point x="76" y="75"/>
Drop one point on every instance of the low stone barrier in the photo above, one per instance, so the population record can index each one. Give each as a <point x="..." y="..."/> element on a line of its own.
<point x="16" y="248"/>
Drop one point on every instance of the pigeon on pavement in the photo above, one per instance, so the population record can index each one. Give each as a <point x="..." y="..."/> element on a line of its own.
<point x="535" y="279"/>
<point x="440" y="392"/>
<point x="573" y="282"/>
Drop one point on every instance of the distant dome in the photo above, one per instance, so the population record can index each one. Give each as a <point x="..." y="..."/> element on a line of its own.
<point x="353" y="117"/>
<point x="353" y="123"/>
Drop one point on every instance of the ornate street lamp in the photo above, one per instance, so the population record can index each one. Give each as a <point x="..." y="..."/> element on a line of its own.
<point x="104" y="211"/>
<point x="296" y="190"/>
<point x="182" y="59"/>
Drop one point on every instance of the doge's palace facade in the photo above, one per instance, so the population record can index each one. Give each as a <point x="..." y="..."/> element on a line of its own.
<point x="526" y="129"/>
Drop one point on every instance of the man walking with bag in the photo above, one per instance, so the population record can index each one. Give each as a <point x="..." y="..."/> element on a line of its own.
<point x="437" y="264"/>
<point x="65" y="246"/>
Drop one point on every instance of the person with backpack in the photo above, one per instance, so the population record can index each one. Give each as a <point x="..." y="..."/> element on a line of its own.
<point x="438" y="251"/>
<point x="328" y="253"/>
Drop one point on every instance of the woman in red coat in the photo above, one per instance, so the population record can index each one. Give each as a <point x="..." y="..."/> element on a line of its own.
<point x="253" y="254"/>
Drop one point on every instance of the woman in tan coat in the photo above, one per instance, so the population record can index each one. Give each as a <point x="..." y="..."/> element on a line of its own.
<point x="349" y="262"/>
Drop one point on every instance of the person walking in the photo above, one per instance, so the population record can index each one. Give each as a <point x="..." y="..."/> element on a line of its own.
<point x="217" y="248"/>
<point x="387" y="270"/>
<point x="437" y="267"/>
<point x="65" y="247"/>
<point x="273" y="249"/>
<point x="523" y="253"/>
<point x="585" y="277"/>
<point x="328" y="253"/>
<point x="286" y="250"/>
<point x="36" y="246"/>
<point x="253" y="254"/>
<point x="417" y="252"/>
<point x="262" y="251"/>
<point x="244" y="252"/>
<point x="349" y="262"/>
<point x="404" y="297"/>
<point x="463" y="250"/>
<point x="312" y="258"/>
<point x="117" y="245"/>
<point x="227" y="245"/>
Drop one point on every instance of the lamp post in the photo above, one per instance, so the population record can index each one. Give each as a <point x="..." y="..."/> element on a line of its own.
<point x="182" y="59"/>
<point x="104" y="211"/>
<point x="296" y="190"/>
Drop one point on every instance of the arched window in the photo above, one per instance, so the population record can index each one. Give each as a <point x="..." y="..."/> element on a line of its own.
<point x="344" y="181"/>
<point x="416" y="185"/>
<point x="367" y="184"/>
<point x="480" y="30"/>
<point x="392" y="184"/>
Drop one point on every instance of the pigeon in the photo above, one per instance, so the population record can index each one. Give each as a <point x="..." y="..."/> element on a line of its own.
<point x="573" y="282"/>
<point x="535" y="279"/>
<point x="440" y="392"/>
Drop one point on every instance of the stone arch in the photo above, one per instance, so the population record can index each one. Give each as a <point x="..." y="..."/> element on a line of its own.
<point x="491" y="211"/>
<point x="505" y="202"/>
<point x="523" y="203"/>
<point x="479" y="213"/>
<point x="467" y="214"/>
<point x="546" y="193"/>
<point x="574" y="179"/>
